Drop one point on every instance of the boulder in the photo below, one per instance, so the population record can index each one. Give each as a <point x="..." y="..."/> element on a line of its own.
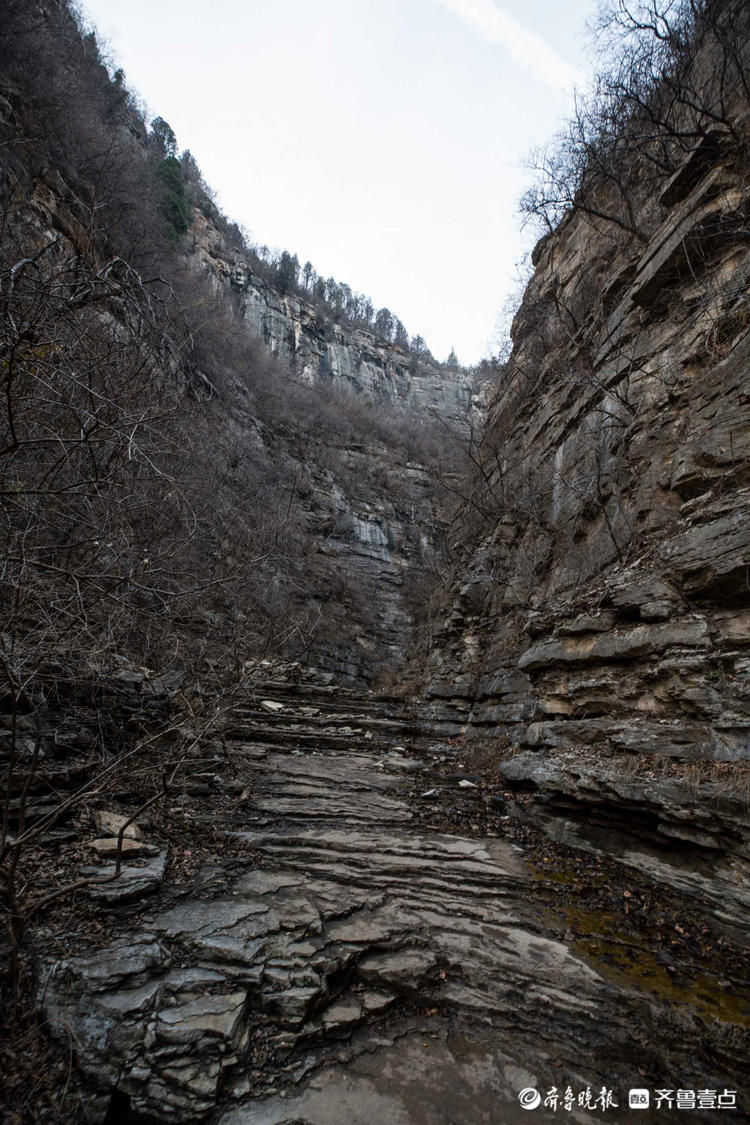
<point x="109" y="824"/>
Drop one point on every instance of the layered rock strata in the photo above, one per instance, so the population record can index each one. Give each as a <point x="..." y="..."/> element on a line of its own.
<point x="364" y="968"/>
<point x="322" y="350"/>
<point x="602" y="608"/>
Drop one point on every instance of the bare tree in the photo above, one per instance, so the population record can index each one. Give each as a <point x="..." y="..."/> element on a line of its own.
<point x="116" y="547"/>
<point x="673" y="73"/>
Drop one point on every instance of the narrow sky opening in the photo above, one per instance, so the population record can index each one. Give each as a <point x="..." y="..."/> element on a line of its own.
<point x="384" y="141"/>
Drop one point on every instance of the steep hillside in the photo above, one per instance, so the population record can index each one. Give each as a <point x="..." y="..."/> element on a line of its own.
<point x="312" y="432"/>
<point x="181" y="509"/>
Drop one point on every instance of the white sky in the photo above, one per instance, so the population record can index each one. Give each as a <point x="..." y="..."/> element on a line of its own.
<point x="384" y="140"/>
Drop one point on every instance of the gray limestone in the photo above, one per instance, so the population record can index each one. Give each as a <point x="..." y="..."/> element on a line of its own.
<point x="362" y="967"/>
<point x="133" y="881"/>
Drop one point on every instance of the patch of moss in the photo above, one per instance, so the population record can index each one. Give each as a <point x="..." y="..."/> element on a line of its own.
<point x="633" y="964"/>
<point x="638" y="967"/>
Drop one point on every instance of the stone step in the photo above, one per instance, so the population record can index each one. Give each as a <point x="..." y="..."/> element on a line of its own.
<point x="331" y="698"/>
<point x="284" y="736"/>
<point x="326" y="721"/>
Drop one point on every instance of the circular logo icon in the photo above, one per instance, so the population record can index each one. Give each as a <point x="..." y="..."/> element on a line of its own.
<point x="529" y="1098"/>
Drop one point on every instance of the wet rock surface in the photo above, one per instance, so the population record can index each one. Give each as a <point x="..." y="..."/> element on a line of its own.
<point x="362" y="964"/>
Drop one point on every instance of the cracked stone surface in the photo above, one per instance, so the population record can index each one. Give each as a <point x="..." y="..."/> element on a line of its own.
<point x="132" y="883"/>
<point x="365" y="971"/>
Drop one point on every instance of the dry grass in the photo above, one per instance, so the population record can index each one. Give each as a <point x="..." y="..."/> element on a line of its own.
<point x="725" y="779"/>
<point x="483" y="755"/>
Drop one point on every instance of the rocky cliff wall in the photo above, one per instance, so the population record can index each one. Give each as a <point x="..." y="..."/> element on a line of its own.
<point x="320" y="350"/>
<point x="611" y="576"/>
<point x="599" y="620"/>
<point x="356" y="511"/>
<point x="372" y="510"/>
<point x="376" y="518"/>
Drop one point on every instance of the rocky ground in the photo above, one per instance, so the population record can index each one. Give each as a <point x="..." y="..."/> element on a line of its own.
<point x="365" y="925"/>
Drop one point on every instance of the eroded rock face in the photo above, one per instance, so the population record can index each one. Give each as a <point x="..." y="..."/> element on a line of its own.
<point x="379" y="521"/>
<point x="606" y="606"/>
<point x="694" y="839"/>
<point x="614" y="578"/>
<point x="322" y="351"/>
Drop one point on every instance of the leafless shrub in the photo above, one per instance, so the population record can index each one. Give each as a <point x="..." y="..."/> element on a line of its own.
<point x="673" y="74"/>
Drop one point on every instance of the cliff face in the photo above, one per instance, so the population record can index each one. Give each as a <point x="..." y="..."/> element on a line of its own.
<point x="599" y="621"/>
<point x="375" y="517"/>
<point x="322" y="351"/>
<point x="345" y="510"/>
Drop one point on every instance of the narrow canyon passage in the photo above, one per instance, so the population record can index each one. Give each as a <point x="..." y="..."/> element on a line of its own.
<point x="354" y="966"/>
<point x="235" y="888"/>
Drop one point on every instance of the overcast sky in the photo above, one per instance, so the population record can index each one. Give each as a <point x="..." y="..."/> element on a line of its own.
<point x="384" y="140"/>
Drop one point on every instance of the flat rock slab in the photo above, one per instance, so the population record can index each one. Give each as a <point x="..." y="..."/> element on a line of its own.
<point x="132" y="882"/>
<point x="419" y="1080"/>
<point x="109" y="846"/>
<point x="205" y="916"/>
<point x="206" y="1015"/>
<point x="110" y="823"/>
<point x="405" y="967"/>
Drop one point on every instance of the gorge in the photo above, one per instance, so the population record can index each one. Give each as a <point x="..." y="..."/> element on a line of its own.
<point x="374" y="732"/>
